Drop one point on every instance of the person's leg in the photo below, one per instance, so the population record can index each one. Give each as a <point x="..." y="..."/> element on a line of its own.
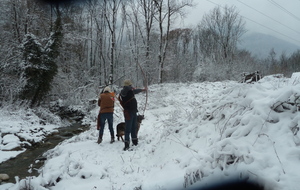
<point x="98" y="122"/>
<point x="110" y="126"/>
<point x="128" y="124"/>
<point x="99" y="128"/>
<point x="134" y="128"/>
<point x="102" y="124"/>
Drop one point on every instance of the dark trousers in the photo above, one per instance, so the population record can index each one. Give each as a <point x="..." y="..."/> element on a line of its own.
<point x="130" y="125"/>
<point x="103" y="118"/>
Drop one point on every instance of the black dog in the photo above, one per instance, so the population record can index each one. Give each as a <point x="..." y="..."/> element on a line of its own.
<point x="121" y="127"/>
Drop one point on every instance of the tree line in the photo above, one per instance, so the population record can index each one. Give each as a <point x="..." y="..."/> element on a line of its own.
<point x="69" y="50"/>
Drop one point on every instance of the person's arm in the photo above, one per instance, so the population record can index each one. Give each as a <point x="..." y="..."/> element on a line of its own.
<point x="112" y="94"/>
<point x="138" y="90"/>
<point x="120" y="100"/>
<point x="99" y="101"/>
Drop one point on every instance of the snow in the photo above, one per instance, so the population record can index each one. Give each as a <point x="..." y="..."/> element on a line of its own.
<point x="193" y="134"/>
<point x="20" y="128"/>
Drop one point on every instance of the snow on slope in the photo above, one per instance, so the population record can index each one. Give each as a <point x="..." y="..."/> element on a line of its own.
<point x="19" y="123"/>
<point x="194" y="134"/>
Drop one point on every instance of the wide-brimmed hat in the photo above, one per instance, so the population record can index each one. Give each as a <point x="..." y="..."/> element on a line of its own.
<point x="127" y="82"/>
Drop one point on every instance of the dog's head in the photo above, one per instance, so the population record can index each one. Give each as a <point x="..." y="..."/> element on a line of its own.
<point x="140" y="118"/>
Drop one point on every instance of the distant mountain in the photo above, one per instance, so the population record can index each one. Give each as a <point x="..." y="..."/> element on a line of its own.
<point x="261" y="44"/>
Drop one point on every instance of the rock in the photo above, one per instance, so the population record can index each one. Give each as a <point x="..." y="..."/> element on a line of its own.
<point x="17" y="149"/>
<point x="251" y="77"/>
<point x="4" y="177"/>
<point x="41" y="158"/>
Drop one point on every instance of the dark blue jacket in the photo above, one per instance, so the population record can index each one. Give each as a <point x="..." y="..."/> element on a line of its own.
<point x="127" y="98"/>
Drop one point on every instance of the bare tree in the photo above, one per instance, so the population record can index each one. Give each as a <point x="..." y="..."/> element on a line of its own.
<point x="111" y="8"/>
<point x="180" y="63"/>
<point x="220" y="31"/>
<point x="166" y="11"/>
<point x="148" y="12"/>
<point x="139" y="16"/>
<point x="294" y="61"/>
<point x="17" y="17"/>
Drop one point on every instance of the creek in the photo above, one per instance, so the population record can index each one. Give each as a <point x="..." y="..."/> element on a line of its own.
<point x="27" y="163"/>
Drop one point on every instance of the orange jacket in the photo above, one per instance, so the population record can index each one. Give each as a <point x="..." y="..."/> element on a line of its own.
<point x="106" y="102"/>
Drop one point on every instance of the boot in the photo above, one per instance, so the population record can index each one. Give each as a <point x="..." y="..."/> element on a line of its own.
<point x="135" y="142"/>
<point x="112" y="140"/>
<point x="126" y="146"/>
<point x="100" y="138"/>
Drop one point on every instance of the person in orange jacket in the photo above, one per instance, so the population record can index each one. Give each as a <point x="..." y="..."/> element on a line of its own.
<point x="106" y="102"/>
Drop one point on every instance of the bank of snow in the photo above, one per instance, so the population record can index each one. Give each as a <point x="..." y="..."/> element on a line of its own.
<point x="193" y="134"/>
<point x="21" y="128"/>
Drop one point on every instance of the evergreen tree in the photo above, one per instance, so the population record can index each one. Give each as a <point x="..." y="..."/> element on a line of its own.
<point x="31" y="67"/>
<point x="39" y="66"/>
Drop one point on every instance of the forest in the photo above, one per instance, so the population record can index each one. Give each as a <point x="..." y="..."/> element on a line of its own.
<point x="70" y="50"/>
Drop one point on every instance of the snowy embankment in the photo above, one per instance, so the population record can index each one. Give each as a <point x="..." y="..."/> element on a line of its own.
<point x="193" y="134"/>
<point x="20" y="128"/>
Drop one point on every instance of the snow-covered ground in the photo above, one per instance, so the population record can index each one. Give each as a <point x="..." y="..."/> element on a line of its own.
<point x="20" y="128"/>
<point x="194" y="134"/>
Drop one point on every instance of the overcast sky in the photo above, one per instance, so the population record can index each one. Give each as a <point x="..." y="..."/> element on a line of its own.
<point x="280" y="18"/>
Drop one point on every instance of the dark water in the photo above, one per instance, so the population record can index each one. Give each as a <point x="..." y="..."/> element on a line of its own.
<point x="27" y="163"/>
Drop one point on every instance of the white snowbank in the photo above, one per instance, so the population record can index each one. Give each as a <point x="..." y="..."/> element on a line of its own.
<point x="193" y="134"/>
<point x="19" y="127"/>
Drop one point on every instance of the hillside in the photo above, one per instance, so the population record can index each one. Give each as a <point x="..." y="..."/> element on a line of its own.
<point x="193" y="135"/>
<point x="261" y="44"/>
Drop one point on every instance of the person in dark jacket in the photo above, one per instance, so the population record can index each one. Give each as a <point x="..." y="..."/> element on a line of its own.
<point x="106" y="102"/>
<point x="129" y="104"/>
